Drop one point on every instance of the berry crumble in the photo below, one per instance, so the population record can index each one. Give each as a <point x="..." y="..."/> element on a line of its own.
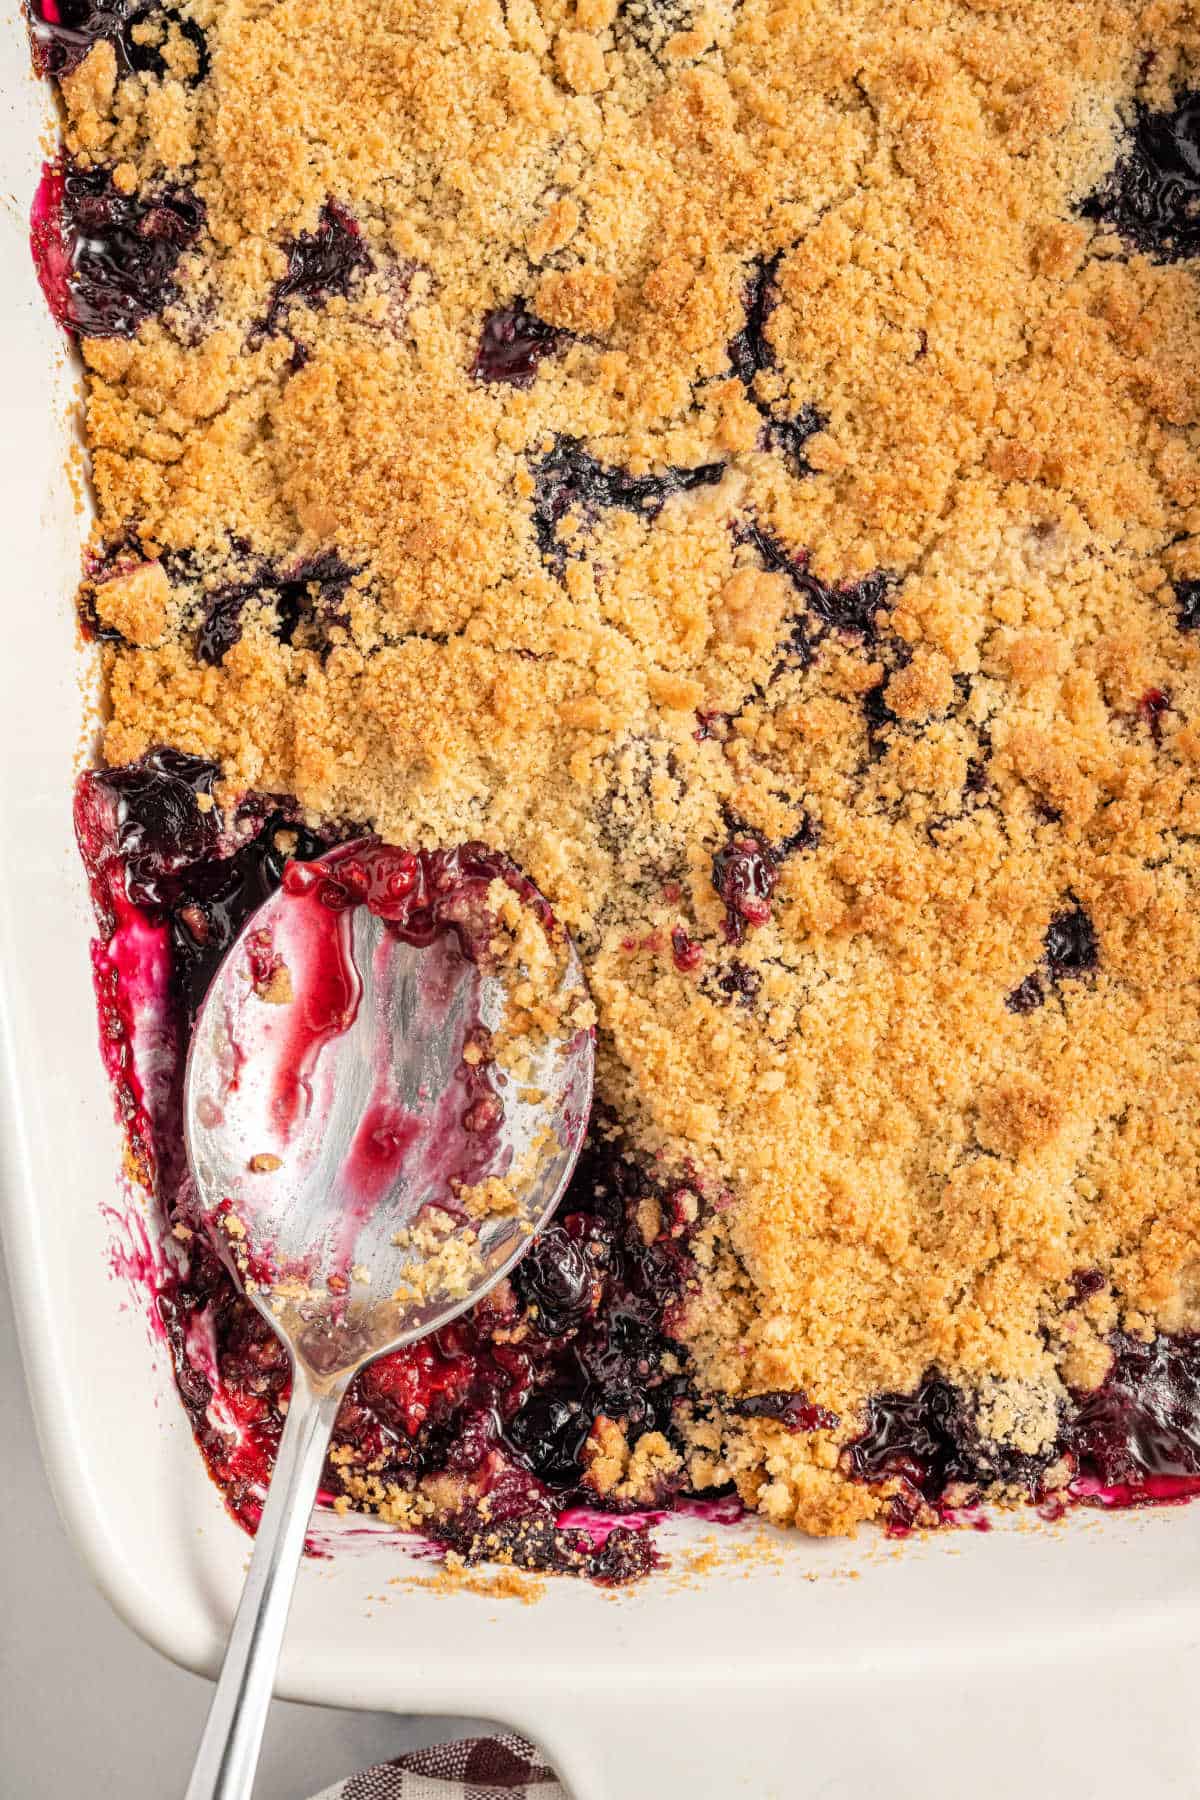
<point x="736" y="459"/>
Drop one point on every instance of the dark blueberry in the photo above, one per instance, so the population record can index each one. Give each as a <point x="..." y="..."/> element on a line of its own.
<point x="1072" y="949"/>
<point x="321" y="263"/>
<point x="621" y="1362"/>
<point x="789" y="1407"/>
<point x="559" y="1277"/>
<point x="749" y="350"/>
<point x="1187" y="601"/>
<point x="549" y="1434"/>
<point x="1152" y="197"/>
<point x="570" y="479"/>
<point x="740" y="983"/>
<point x="921" y="1437"/>
<point x="512" y="344"/>
<point x="161" y="826"/>
<point x="222" y="624"/>
<point x="851" y="607"/>
<point x="106" y="260"/>
<point x="744" y="874"/>
<point x="1027" y="996"/>
<point x="308" y="594"/>
<point x="1085" y="1283"/>
<point x="929" y="1439"/>
<point x="64" y="31"/>
<point x="977" y="776"/>
<point x="1144" y="1419"/>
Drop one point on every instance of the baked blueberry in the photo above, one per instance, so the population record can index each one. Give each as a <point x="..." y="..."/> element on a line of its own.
<point x="309" y="594"/>
<point x="330" y="260"/>
<point x="1152" y="196"/>
<point x="569" y="479"/>
<point x="106" y="259"/>
<point x="751" y="353"/>
<point x="512" y="343"/>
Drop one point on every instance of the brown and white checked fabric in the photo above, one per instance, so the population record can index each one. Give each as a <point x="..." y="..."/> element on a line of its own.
<point x="504" y="1767"/>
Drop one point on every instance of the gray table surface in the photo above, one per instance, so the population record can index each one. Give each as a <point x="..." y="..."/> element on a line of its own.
<point x="87" y="1712"/>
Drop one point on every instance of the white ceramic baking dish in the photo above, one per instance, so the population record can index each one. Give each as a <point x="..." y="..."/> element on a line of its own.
<point x="1027" y="1659"/>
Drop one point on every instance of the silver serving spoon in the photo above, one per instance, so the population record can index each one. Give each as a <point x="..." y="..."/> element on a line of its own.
<point x="330" y="1071"/>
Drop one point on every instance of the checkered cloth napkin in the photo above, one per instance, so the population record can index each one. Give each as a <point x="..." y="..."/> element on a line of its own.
<point x="503" y="1767"/>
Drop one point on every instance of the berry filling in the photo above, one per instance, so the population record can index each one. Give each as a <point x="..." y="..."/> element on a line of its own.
<point x="512" y="343"/>
<point x="792" y="1409"/>
<point x="1152" y="196"/>
<point x="106" y="260"/>
<point x="852" y="607"/>
<point x="306" y="600"/>
<point x="1132" y="1441"/>
<point x="321" y="263"/>
<point x="750" y="353"/>
<point x="1072" y="952"/>
<point x="505" y="1400"/>
<point x="1136" y="1438"/>
<point x="570" y="480"/>
<point x="929" y="1444"/>
<point x="63" y="32"/>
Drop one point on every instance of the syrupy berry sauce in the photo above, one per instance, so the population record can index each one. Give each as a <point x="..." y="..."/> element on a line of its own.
<point x="1133" y="1441"/>
<point x="512" y="343"/>
<point x="307" y="596"/>
<point x="320" y="264"/>
<point x="852" y="608"/>
<point x="1152" y="196"/>
<point x="106" y="261"/>
<point x="63" y="32"/>
<point x="751" y="354"/>
<point x="570" y="480"/>
<point x="501" y="1404"/>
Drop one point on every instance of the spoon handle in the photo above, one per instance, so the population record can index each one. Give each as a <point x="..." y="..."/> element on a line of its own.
<point x="228" y="1755"/>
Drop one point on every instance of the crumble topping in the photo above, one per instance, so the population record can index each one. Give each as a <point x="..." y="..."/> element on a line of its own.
<point x="721" y="458"/>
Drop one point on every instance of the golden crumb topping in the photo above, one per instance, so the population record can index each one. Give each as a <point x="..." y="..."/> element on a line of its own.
<point x="711" y="457"/>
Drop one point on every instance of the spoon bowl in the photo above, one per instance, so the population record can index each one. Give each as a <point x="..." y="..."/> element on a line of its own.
<point x="340" y="1095"/>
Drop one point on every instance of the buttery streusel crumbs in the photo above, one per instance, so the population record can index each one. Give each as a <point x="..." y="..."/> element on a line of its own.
<point x="929" y="1119"/>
